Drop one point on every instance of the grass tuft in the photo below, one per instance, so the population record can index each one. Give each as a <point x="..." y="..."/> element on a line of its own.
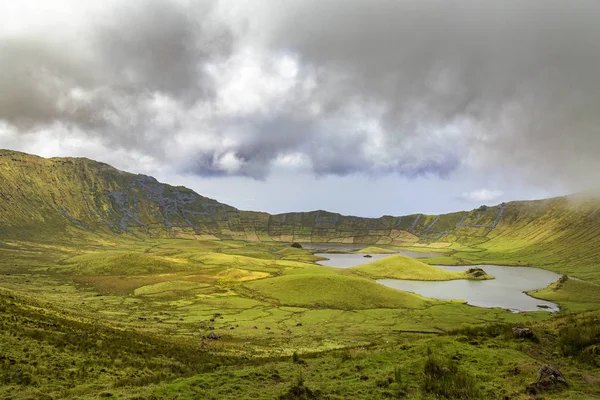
<point x="445" y="379"/>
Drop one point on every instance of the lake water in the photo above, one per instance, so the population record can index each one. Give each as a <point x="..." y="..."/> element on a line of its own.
<point x="355" y="247"/>
<point x="348" y="260"/>
<point x="333" y="246"/>
<point x="506" y="291"/>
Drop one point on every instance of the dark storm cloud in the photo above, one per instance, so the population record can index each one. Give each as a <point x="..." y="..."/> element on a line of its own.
<point x="340" y="87"/>
<point x="159" y="46"/>
<point x="525" y="74"/>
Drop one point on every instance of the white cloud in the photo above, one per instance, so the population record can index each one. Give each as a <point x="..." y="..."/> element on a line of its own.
<point x="229" y="162"/>
<point x="340" y="87"/>
<point x="481" y="195"/>
<point x="249" y="82"/>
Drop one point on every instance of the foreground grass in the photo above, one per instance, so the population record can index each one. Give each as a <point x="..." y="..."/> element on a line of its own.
<point x="49" y="354"/>
<point x="132" y="320"/>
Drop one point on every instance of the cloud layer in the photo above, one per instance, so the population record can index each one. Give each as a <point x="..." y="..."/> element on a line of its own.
<point x="481" y="196"/>
<point x="333" y="87"/>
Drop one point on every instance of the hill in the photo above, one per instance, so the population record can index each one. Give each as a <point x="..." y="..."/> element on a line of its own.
<point x="77" y="198"/>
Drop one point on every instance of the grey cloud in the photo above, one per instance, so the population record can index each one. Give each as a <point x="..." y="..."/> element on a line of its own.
<point x="159" y="46"/>
<point x="524" y="73"/>
<point x="495" y="82"/>
<point x="481" y="196"/>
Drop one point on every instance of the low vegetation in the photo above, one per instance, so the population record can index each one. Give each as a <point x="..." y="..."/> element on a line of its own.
<point x="445" y="379"/>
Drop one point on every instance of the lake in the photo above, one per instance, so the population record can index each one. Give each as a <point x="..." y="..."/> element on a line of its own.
<point x="355" y="247"/>
<point x="506" y="291"/>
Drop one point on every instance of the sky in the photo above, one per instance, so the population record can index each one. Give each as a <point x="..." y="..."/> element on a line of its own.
<point x="360" y="107"/>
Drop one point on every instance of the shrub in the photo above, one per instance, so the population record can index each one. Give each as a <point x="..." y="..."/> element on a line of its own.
<point x="581" y="341"/>
<point x="296" y="359"/>
<point x="444" y="379"/>
<point x="346" y="355"/>
<point x="300" y="392"/>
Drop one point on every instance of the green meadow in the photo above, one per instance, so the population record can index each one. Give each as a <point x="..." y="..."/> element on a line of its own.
<point x="134" y="320"/>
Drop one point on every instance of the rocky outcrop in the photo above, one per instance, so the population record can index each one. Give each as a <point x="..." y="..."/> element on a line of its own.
<point x="549" y="379"/>
<point x="523" y="333"/>
<point x="476" y="272"/>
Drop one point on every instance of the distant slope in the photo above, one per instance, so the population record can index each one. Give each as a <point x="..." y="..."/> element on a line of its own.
<point x="43" y="199"/>
<point x="51" y="196"/>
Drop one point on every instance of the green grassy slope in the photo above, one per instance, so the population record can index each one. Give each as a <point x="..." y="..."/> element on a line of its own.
<point x="41" y="197"/>
<point x="561" y="234"/>
<point x="333" y="291"/>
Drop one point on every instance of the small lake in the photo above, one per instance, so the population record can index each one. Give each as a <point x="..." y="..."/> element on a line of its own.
<point x="506" y="291"/>
<point x="355" y="247"/>
<point x="348" y="260"/>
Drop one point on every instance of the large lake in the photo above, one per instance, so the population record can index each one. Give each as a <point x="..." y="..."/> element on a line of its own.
<point x="506" y="291"/>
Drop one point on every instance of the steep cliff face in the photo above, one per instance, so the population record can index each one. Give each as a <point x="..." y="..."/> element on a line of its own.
<point x="75" y="196"/>
<point x="40" y="196"/>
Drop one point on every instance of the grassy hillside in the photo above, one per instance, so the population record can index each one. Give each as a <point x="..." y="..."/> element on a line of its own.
<point x="59" y="196"/>
<point x="333" y="291"/>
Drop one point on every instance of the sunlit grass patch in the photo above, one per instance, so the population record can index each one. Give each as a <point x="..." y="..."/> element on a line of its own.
<point x="333" y="291"/>
<point x="126" y="263"/>
<point x="169" y="286"/>
<point x="241" y="275"/>
<point x="375" y="250"/>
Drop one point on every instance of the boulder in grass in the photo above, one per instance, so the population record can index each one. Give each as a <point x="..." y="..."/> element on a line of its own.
<point x="296" y="245"/>
<point x="213" y="336"/>
<point x="550" y="379"/>
<point x="476" y="272"/>
<point x="523" y="333"/>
